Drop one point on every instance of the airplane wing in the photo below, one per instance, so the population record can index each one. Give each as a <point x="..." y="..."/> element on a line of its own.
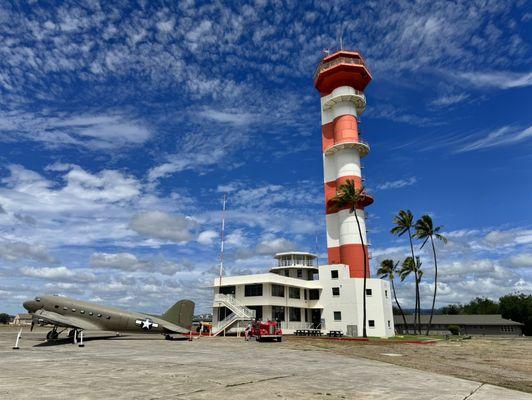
<point x="61" y="320"/>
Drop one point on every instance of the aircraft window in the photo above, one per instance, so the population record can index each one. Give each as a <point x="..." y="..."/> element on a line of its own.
<point x="56" y="306"/>
<point x="37" y="299"/>
<point x="82" y="312"/>
<point x="108" y="317"/>
<point x="73" y="310"/>
<point x="99" y="315"/>
<point x="65" y="308"/>
<point x="91" y="313"/>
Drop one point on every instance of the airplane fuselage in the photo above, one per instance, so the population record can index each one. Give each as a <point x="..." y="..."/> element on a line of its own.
<point x="102" y="317"/>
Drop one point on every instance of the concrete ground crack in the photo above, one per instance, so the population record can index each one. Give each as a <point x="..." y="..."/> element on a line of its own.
<point x="257" y="381"/>
<point x="473" y="392"/>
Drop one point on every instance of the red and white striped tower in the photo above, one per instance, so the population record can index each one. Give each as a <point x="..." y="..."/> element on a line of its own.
<point x="341" y="79"/>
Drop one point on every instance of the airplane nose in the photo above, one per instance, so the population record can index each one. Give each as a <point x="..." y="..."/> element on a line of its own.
<point x="28" y="305"/>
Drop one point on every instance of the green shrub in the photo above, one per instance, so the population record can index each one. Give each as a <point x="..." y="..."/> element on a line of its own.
<point x="454" y="329"/>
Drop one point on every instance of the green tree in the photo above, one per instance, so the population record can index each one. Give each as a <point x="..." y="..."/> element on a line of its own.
<point x="518" y="307"/>
<point x="387" y="271"/>
<point x="348" y="196"/>
<point x="425" y="230"/>
<point x="408" y="267"/>
<point x="4" y="318"/>
<point x="451" y="309"/>
<point x="480" y="305"/>
<point x="404" y="223"/>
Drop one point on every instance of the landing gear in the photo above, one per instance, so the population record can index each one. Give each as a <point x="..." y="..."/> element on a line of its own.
<point x="168" y="337"/>
<point x="53" y="334"/>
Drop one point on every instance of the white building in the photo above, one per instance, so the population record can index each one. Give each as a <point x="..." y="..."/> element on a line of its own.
<point x="302" y="295"/>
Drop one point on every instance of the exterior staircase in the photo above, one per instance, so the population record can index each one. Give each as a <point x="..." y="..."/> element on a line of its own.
<point x="239" y="313"/>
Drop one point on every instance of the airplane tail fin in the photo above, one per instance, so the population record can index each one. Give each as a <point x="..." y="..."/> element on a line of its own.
<point x="180" y="313"/>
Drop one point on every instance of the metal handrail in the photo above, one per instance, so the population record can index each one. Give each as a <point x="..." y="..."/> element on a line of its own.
<point x="340" y="60"/>
<point x="235" y="306"/>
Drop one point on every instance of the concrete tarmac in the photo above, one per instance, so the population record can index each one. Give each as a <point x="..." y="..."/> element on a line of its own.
<point x="148" y="367"/>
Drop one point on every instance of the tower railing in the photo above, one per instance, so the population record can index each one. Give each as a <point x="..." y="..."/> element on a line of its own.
<point x="340" y="60"/>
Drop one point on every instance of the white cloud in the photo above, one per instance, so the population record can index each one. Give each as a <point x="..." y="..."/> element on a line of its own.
<point x="207" y="237"/>
<point x="400" y="183"/>
<point x="96" y="132"/>
<point x="58" y="273"/>
<point x="160" y="225"/>
<point x="449" y="99"/>
<point x="497" y="79"/>
<point x="16" y="250"/>
<point x="523" y="260"/>
<point x="232" y="117"/>
<point x="507" y="135"/>
<point x="123" y="261"/>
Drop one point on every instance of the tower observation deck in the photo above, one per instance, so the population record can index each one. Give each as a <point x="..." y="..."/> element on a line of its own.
<point x="341" y="79"/>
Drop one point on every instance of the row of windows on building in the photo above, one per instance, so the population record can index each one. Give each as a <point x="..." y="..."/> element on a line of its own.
<point x="299" y="274"/>
<point x="256" y="289"/>
<point x="295" y="260"/>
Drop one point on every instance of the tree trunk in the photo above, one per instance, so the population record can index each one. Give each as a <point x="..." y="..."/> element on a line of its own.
<point x="435" y="283"/>
<point x="416" y="307"/>
<point x="399" y="306"/>
<point x="364" y="331"/>
<point x="418" y="304"/>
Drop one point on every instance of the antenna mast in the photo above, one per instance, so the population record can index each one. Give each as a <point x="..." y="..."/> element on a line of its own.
<point x="222" y="240"/>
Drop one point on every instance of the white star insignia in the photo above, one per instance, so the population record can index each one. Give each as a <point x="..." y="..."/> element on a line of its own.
<point x="146" y="323"/>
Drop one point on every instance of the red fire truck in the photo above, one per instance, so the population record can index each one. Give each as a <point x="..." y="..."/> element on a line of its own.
<point x="266" y="330"/>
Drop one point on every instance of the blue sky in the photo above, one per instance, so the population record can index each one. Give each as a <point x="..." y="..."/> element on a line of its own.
<point x="123" y="124"/>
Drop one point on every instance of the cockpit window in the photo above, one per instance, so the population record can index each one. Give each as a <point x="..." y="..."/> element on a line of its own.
<point x="37" y="299"/>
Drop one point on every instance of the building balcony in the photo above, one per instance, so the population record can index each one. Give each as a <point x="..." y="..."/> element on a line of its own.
<point x="359" y="145"/>
<point x="343" y="94"/>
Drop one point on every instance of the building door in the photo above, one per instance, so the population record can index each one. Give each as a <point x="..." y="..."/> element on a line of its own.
<point x="352" y="330"/>
<point x="316" y="318"/>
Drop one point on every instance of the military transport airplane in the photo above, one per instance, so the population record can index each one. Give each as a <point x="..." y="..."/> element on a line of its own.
<point x="76" y="315"/>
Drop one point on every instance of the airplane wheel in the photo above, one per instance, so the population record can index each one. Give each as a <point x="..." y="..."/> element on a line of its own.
<point x="52" y="335"/>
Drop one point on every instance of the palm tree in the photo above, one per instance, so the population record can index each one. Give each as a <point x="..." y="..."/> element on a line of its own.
<point x="404" y="222"/>
<point x="387" y="270"/>
<point x="410" y="267"/>
<point x="425" y="230"/>
<point x="349" y="196"/>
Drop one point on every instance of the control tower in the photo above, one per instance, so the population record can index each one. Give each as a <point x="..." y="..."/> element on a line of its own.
<point x="341" y="79"/>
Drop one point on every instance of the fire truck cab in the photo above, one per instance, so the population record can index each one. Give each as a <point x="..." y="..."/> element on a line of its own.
<point x="266" y="331"/>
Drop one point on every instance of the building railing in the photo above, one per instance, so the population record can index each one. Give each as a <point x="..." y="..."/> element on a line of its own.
<point x="238" y="309"/>
<point x="294" y="325"/>
<point x="340" y="60"/>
